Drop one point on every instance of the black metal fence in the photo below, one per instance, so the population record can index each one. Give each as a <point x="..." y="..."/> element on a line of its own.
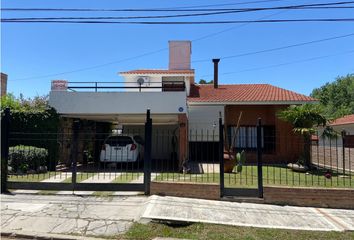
<point x="82" y="158"/>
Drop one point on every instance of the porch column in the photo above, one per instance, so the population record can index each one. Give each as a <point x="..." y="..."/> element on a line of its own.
<point x="183" y="139"/>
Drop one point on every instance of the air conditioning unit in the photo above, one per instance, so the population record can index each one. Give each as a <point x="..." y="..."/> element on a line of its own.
<point x="143" y="81"/>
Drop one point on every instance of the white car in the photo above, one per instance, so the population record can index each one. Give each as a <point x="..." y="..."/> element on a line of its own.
<point x="122" y="148"/>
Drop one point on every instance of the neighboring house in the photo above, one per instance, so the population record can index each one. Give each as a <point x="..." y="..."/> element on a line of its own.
<point x="189" y="110"/>
<point x="336" y="152"/>
<point x="345" y="125"/>
<point x="3" y="84"/>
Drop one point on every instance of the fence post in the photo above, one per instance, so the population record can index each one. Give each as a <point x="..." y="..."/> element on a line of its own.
<point x="221" y="155"/>
<point x="259" y="158"/>
<point x="5" y="130"/>
<point x="147" y="153"/>
<point x="74" y="151"/>
<point x="343" y="149"/>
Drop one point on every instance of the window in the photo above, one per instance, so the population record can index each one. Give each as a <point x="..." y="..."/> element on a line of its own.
<point x="247" y="138"/>
<point x="120" y="141"/>
<point x="173" y="84"/>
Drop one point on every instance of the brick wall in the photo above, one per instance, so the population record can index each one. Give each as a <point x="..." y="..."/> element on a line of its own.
<point x="191" y="190"/>
<point x="288" y="146"/>
<point x="3" y="84"/>
<point x="316" y="197"/>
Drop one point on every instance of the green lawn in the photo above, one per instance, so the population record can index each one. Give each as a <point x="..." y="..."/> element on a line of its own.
<point x="32" y="177"/>
<point x="222" y="232"/>
<point x="123" y="178"/>
<point x="272" y="176"/>
<point x="127" y="177"/>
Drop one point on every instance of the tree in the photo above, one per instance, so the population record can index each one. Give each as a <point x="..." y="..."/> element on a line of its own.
<point x="202" y="81"/>
<point x="337" y="98"/>
<point x="10" y="101"/>
<point x="304" y="119"/>
<point x="32" y="116"/>
<point x="36" y="104"/>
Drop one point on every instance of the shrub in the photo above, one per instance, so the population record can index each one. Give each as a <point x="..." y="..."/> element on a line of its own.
<point x="23" y="158"/>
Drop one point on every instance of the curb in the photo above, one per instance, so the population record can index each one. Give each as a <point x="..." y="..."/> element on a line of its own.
<point x="45" y="236"/>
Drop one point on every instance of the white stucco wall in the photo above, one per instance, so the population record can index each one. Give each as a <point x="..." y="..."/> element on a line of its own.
<point x="155" y="80"/>
<point x="204" y="122"/>
<point x="348" y="128"/>
<point x="117" y="102"/>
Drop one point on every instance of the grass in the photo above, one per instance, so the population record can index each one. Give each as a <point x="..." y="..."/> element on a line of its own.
<point x="32" y="177"/>
<point x="272" y="176"/>
<point x="122" y="178"/>
<point x="222" y="232"/>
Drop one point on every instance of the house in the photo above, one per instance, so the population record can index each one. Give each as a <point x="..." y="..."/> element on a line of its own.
<point x="345" y="125"/>
<point x="335" y="152"/>
<point x="188" y="110"/>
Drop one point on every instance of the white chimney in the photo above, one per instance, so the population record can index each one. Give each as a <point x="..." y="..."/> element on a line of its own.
<point x="180" y="55"/>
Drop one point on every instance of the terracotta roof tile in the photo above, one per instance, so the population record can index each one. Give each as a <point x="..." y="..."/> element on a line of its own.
<point x="244" y="93"/>
<point x="159" y="71"/>
<point x="348" y="119"/>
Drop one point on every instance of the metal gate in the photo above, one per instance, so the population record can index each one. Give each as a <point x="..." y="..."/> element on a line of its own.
<point x="60" y="161"/>
<point x="237" y="177"/>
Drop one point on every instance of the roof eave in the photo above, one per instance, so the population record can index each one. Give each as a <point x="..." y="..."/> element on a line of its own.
<point x="191" y="102"/>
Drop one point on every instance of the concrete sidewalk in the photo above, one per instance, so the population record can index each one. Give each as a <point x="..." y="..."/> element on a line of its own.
<point x="108" y="216"/>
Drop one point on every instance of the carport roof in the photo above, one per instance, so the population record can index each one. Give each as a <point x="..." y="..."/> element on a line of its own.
<point x="245" y="93"/>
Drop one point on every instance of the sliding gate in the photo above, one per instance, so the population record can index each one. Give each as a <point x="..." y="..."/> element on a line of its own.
<point x="72" y="160"/>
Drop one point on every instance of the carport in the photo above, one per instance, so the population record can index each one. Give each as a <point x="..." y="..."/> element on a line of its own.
<point x="127" y="110"/>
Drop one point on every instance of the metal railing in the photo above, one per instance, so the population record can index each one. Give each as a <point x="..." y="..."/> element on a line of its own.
<point x="164" y="86"/>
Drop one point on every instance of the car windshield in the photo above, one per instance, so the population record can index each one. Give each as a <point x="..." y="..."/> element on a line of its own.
<point x="139" y="140"/>
<point x="119" y="141"/>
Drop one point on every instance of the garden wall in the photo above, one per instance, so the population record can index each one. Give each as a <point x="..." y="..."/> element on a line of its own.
<point x="192" y="190"/>
<point x="315" y="197"/>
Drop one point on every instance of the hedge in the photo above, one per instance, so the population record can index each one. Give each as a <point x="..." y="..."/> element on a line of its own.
<point x="23" y="158"/>
<point x="28" y="125"/>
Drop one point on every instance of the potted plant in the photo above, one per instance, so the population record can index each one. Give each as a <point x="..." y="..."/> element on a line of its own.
<point x="229" y="154"/>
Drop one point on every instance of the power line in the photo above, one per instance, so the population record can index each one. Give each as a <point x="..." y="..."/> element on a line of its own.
<point x="280" y="48"/>
<point x="284" y="64"/>
<point x="92" y="67"/>
<point x="172" y="16"/>
<point x="203" y="60"/>
<point x="162" y="10"/>
<point x="227" y="4"/>
<point x="148" y="53"/>
<point x="238" y="26"/>
<point x="184" y="22"/>
<point x="145" y="54"/>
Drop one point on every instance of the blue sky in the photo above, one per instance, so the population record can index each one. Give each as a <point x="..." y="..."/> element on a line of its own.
<point x="33" y="50"/>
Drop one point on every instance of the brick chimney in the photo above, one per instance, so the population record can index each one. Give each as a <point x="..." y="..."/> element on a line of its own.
<point x="180" y="55"/>
<point x="3" y="84"/>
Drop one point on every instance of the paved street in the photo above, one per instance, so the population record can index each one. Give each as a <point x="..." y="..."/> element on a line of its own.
<point x="107" y="216"/>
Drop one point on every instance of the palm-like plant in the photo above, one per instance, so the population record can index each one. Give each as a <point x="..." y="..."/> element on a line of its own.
<point x="304" y="119"/>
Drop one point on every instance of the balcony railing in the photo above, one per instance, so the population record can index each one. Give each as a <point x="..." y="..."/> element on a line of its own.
<point x="165" y="86"/>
